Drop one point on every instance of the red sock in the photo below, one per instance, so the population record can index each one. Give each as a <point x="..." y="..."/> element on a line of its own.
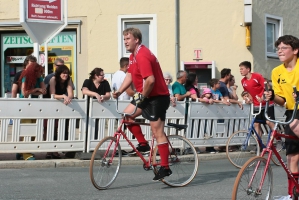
<point x="136" y="131"/>
<point x="291" y="184"/>
<point x="164" y="154"/>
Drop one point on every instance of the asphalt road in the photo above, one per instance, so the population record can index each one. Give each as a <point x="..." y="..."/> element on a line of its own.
<point x="214" y="180"/>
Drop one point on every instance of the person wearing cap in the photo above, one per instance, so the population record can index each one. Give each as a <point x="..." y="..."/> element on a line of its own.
<point x="207" y="95"/>
<point x="191" y="86"/>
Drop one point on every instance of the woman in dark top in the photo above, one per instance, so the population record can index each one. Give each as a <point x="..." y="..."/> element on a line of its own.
<point x="96" y="86"/>
<point x="60" y="86"/>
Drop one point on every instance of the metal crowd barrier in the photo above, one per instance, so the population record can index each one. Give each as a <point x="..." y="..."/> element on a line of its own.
<point x="81" y="128"/>
<point x="28" y="116"/>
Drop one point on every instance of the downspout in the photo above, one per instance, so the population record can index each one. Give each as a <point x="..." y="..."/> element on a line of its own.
<point x="177" y="35"/>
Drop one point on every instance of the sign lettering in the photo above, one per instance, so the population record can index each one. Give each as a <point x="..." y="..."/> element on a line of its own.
<point x="26" y="39"/>
<point x="44" y="10"/>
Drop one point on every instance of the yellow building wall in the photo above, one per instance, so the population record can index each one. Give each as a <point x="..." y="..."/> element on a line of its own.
<point x="215" y="26"/>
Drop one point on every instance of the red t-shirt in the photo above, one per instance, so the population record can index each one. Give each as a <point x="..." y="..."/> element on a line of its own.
<point x="255" y="87"/>
<point x="145" y="64"/>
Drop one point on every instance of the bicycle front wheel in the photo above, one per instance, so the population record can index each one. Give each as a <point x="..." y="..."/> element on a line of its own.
<point x="105" y="163"/>
<point x="183" y="161"/>
<point x="237" y="152"/>
<point x="247" y="183"/>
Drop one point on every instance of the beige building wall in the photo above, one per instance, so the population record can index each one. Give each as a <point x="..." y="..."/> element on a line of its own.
<point x="215" y="26"/>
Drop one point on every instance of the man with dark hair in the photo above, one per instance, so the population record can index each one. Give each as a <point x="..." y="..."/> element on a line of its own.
<point x="118" y="78"/>
<point x="15" y="86"/>
<point x="253" y="83"/>
<point x="225" y="76"/>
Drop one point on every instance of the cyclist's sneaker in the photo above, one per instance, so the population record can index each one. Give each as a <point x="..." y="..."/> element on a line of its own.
<point x="142" y="149"/>
<point x="282" y="197"/>
<point x="162" y="173"/>
<point x="123" y="153"/>
<point x="211" y="150"/>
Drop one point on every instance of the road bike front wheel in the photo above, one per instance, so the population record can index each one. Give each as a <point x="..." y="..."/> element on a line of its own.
<point x="105" y="163"/>
<point x="247" y="183"/>
<point x="237" y="152"/>
<point x="183" y="161"/>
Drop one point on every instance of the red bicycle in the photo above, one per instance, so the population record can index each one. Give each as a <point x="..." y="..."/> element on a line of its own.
<point x="106" y="159"/>
<point x="255" y="179"/>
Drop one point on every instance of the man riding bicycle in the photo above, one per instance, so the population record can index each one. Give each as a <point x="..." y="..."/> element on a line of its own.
<point x="152" y="97"/>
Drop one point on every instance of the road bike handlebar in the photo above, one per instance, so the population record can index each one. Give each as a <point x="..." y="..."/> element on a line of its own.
<point x="252" y="110"/>
<point x="294" y="111"/>
<point x="122" y="113"/>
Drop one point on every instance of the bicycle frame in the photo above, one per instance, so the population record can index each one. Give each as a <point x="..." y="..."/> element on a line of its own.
<point x="148" y="164"/>
<point x="251" y="130"/>
<point x="270" y="149"/>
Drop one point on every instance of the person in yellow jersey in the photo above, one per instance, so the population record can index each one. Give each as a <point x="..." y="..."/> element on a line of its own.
<point x="284" y="77"/>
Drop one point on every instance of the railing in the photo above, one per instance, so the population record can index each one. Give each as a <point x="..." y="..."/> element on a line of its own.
<point x="79" y="130"/>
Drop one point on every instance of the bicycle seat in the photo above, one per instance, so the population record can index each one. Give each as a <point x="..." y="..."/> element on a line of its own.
<point x="178" y="126"/>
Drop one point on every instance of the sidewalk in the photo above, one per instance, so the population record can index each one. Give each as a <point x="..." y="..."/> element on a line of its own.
<point x="8" y="160"/>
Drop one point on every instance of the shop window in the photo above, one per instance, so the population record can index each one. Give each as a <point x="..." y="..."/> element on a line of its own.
<point x="273" y="31"/>
<point x="147" y="25"/>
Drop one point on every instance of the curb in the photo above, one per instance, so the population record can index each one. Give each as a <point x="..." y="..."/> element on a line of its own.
<point x="59" y="163"/>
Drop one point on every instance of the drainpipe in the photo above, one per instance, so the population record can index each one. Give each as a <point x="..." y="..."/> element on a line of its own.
<point x="177" y="35"/>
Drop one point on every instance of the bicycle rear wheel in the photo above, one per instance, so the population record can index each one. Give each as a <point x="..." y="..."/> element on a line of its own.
<point x="238" y="153"/>
<point x="183" y="161"/>
<point x="244" y="190"/>
<point x="103" y="170"/>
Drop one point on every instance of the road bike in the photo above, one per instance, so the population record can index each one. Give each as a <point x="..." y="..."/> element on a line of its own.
<point x="255" y="179"/>
<point x="243" y="144"/>
<point x="106" y="159"/>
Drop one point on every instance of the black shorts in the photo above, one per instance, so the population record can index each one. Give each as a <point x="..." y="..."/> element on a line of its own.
<point x="154" y="108"/>
<point x="261" y="117"/>
<point x="292" y="146"/>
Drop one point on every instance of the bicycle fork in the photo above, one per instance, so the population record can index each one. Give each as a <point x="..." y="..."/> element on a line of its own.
<point x="258" y="190"/>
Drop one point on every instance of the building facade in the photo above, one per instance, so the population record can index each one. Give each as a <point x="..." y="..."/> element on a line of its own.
<point x="196" y="35"/>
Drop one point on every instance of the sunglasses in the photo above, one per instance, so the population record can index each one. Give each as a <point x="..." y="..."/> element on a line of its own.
<point x="167" y="79"/>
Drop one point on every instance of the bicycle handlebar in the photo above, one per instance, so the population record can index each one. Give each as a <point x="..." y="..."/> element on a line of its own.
<point x="252" y="110"/>
<point x="122" y="113"/>
<point x="294" y="111"/>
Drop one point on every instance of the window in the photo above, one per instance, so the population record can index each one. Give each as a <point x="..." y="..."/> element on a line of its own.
<point x="273" y="31"/>
<point x="148" y="27"/>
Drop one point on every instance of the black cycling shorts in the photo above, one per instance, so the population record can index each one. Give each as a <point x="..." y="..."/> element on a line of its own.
<point x="154" y="108"/>
<point x="292" y="146"/>
<point x="261" y="117"/>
